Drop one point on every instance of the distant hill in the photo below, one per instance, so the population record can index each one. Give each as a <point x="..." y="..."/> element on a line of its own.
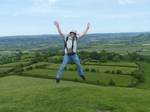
<point x="97" y="35"/>
<point x="55" y="42"/>
<point x="56" y="38"/>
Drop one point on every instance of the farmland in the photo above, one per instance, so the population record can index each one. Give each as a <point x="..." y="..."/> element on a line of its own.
<point x="116" y="67"/>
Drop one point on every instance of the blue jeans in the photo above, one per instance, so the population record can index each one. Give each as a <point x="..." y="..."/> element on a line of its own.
<point x="66" y="59"/>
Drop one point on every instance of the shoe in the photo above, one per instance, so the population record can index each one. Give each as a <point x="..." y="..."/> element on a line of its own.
<point x="82" y="76"/>
<point x="57" y="80"/>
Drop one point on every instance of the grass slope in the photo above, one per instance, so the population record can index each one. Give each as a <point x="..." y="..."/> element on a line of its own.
<point x="146" y="84"/>
<point x="26" y="94"/>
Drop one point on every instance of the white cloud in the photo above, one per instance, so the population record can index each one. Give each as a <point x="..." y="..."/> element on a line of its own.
<point x="41" y="10"/>
<point x="42" y="6"/>
<point x="52" y="1"/>
<point x="37" y="2"/>
<point x="122" y="2"/>
<point x="76" y="16"/>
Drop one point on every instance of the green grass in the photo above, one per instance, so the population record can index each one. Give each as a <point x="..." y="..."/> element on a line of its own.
<point x="102" y="78"/>
<point x="24" y="94"/>
<point x="125" y="70"/>
<point x="146" y="84"/>
<point x="4" y="69"/>
<point x="27" y="56"/>
<point x="120" y="80"/>
<point x="120" y="64"/>
<point x="13" y="64"/>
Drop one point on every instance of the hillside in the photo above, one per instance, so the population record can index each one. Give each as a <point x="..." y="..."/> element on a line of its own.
<point x="23" y="94"/>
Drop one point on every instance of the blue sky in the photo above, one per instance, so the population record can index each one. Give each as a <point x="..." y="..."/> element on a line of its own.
<point x="35" y="17"/>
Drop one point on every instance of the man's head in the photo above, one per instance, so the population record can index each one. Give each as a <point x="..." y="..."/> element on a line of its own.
<point x="73" y="33"/>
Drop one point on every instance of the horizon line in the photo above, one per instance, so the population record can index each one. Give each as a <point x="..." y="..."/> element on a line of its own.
<point x="86" y="34"/>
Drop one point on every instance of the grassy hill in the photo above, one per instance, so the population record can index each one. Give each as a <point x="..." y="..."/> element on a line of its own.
<point x="26" y="94"/>
<point x="146" y="84"/>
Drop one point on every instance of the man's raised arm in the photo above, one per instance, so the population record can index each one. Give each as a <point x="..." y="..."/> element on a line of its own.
<point x="82" y="34"/>
<point x="58" y="28"/>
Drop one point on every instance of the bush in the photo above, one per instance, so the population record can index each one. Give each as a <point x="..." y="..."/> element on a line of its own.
<point x="71" y="69"/>
<point x="18" y="70"/>
<point x="5" y="72"/>
<point x="10" y="70"/>
<point x="112" y="83"/>
<point x="33" y="61"/>
<point x="65" y="68"/>
<point x="97" y="81"/>
<point x="36" y="66"/>
<point x="41" y="66"/>
<point x="75" y="68"/>
<point x="107" y="71"/>
<point x="93" y="70"/>
<point x="29" y="68"/>
<point x="76" y="80"/>
<point x="134" y="83"/>
<point x="118" y="72"/>
<point x="87" y="69"/>
<point x="138" y="75"/>
<point x="113" y="72"/>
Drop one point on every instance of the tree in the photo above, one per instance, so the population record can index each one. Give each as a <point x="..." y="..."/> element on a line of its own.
<point x="34" y="61"/>
<point x="93" y="70"/>
<point x="60" y="58"/>
<point x="138" y="75"/>
<point x="20" y="53"/>
<point x="93" y="55"/>
<point x="126" y="58"/>
<point x="103" y="59"/>
<point x="50" y="59"/>
<point x="116" y="58"/>
<point x="56" y="60"/>
<point x="37" y="54"/>
<point x="134" y="56"/>
<point x="51" y="53"/>
<point x="83" y="55"/>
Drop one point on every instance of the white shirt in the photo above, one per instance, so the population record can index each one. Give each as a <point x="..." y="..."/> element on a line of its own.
<point x="69" y="43"/>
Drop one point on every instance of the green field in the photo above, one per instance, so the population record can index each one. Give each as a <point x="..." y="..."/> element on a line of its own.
<point x="102" y="78"/>
<point x="146" y="84"/>
<point x="4" y="69"/>
<point x="99" y="77"/>
<point x="23" y="94"/>
<point x="125" y="67"/>
<point x="13" y="64"/>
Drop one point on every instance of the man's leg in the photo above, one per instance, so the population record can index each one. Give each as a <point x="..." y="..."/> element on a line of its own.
<point x="63" y="65"/>
<point x="76" y="60"/>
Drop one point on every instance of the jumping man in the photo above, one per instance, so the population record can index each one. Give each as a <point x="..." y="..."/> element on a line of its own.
<point x="70" y="50"/>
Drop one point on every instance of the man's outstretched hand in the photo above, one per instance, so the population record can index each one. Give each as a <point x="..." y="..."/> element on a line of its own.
<point x="56" y="23"/>
<point x="88" y="25"/>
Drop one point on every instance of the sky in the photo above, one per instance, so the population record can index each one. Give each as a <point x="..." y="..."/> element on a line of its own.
<point x="36" y="17"/>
